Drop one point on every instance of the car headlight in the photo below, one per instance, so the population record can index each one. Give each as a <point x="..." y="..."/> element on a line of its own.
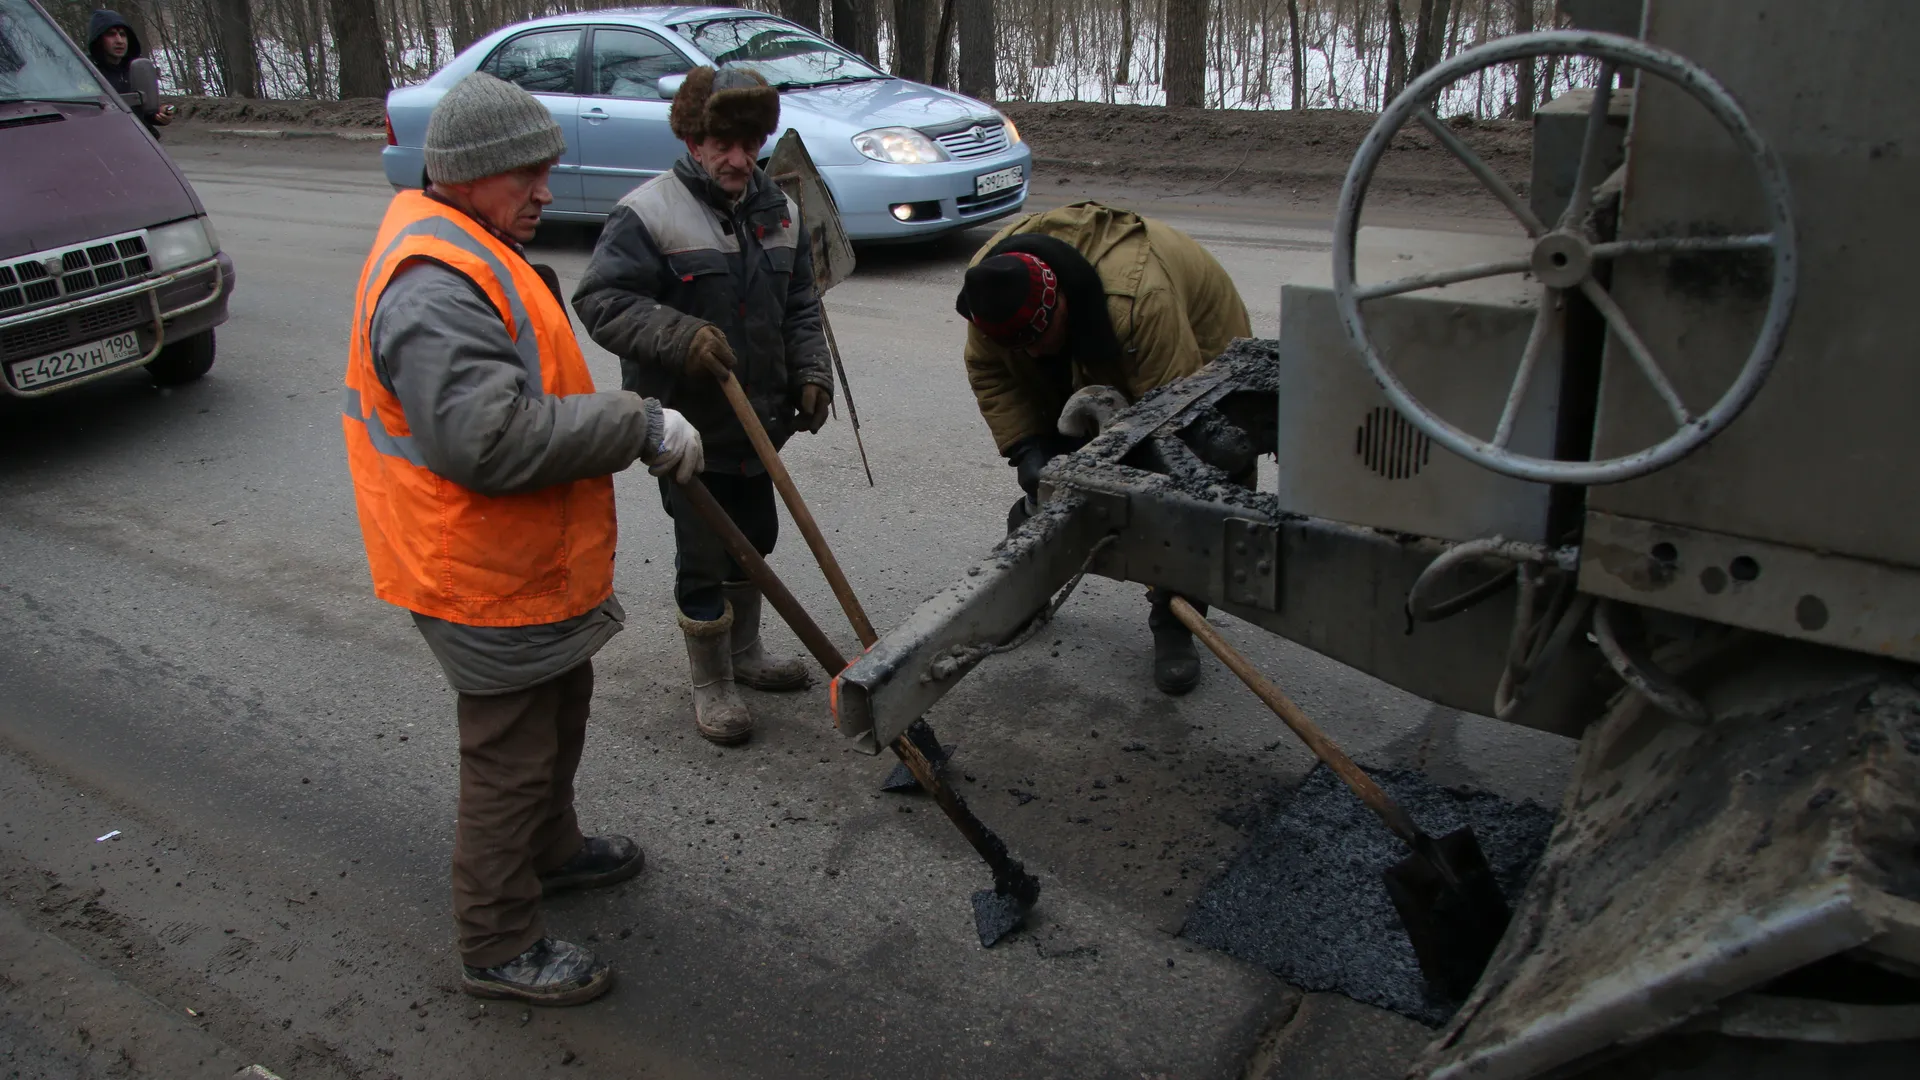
<point x="182" y="243"/>
<point x="898" y="146"/>
<point x="1013" y="133"/>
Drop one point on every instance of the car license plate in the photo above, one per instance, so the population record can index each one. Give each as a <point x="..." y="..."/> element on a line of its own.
<point x="998" y="181"/>
<point x="72" y="363"/>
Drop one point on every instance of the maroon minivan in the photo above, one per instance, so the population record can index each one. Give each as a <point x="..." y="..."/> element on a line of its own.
<point x="107" y="259"/>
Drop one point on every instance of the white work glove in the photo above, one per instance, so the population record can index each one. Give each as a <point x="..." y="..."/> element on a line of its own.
<point x="1089" y="411"/>
<point x="678" y="450"/>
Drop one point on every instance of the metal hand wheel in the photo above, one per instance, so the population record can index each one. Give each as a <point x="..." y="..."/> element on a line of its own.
<point x="1565" y="253"/>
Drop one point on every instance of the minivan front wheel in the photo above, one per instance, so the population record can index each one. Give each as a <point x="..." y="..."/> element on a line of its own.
<point x="183" y="361"/>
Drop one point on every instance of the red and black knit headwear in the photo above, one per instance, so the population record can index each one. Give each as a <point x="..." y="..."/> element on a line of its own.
<point x="1011" y="297"/>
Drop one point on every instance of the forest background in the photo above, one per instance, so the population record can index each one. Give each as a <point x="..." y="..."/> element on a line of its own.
<point x="1215" y="54"/>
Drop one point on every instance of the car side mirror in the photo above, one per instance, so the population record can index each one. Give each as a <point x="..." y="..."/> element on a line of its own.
<point x="146" y="85"/>
<point x="670" y="84"/>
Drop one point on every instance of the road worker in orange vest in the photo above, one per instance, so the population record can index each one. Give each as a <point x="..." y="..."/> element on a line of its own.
<point x="482" y="458"/>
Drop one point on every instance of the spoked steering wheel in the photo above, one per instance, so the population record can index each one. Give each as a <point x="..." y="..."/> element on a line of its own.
<point x="1565" y="253"/>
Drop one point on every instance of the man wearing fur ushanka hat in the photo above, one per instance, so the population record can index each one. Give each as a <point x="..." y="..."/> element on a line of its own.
<point x="1079" y="311"/>
<point x="706" y="268"/>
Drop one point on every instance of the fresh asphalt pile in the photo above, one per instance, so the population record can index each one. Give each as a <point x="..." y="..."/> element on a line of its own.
<point x="1305" y="899"/>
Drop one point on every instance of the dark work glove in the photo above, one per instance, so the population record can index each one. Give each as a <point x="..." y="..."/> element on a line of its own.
<point x="815" y="404"/>
<point x="1028" y="457"/>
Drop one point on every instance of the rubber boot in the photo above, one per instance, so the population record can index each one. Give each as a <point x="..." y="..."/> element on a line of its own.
<point x="751" y="665"/>
<point x="550" y="972"/>
<point x="717" y="709"/>
<point x="1176" y="665"/>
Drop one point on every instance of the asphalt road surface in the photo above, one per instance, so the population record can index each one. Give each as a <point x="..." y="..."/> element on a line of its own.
<point x="194" y="658"/>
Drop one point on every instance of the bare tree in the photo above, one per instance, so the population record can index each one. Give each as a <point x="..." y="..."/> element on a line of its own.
<point x="804" y="12"/>
<point x="1429" y="38"/>
<point x="1123" y="71"/>
<point x="239" y="64"/>
<point x="978" y="54"/>
<point x="361" y="54"/>
<point x="1185" y="76"/>
<point x="1299" y="55"/>
<point x="1524" y="89"/>
<point x="856" y="27"/>
<point x="910" y="39"/>
<point x="941" y="71"/>
<point x="1396" y="51"/>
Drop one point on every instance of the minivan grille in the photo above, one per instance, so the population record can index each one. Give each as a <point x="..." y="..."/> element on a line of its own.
<point x="44" y="336"/>
<point x="45" y="276"/>
<point x="978" y="140"/>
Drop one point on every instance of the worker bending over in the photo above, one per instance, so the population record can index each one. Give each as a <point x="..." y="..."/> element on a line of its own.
<point x="481" y="460"/>
<point x="701" y="271"/>
<point x="1082" y="305"/>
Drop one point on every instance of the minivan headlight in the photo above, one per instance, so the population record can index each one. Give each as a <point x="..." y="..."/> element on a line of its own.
<point x="898" y="146"/>
<point x="1013" y="133"/>
<point x="182" y="243"/>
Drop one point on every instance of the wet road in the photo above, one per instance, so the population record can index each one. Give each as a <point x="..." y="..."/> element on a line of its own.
<point x="194" y="658"/>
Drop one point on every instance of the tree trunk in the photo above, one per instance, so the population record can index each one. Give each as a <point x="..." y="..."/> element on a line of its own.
<point x="460" y="15"/>
<point x="1123" y="71"/>
<point x="1185" y="77"/>
<point x="1422" y="58"/>
<point x="804" y="12"/>
<point x="940" y="73"/>
<point x="239" y="63"/>
<point x="1047" y="34"/>
<point x="1299" y="55"/>
<point x="362" y="55"/>
<point x="1523" y="99"/>
<point x="1433" y="49"/>
<point x="910" y="39"/>
<point x="978" y="77"/>
<point x="856" y="28"/>
<point x="1396" y="52"/>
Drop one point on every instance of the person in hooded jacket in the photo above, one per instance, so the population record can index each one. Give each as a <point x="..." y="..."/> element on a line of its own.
<point x="1074" y="313"/>
<point x="702" y="270"/>
<point x="113" y="46"/>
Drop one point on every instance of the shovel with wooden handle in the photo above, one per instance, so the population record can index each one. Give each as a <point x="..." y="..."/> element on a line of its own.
<point x="1445" y="891"/>
<point x="997" y="911"/>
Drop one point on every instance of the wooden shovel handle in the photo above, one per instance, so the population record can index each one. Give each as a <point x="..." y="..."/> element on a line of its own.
<point x="797" y="506"/>
<point x="1323" y="748"/>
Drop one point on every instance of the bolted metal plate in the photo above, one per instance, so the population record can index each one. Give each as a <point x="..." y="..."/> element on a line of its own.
<point x="1251" y="564"/>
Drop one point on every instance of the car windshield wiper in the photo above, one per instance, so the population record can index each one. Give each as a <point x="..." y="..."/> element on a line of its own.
<point x="93" y="101"/>
<point x="842" y="80"/>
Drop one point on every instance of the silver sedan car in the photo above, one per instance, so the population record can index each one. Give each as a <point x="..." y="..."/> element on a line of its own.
<point x="904" y="161"/>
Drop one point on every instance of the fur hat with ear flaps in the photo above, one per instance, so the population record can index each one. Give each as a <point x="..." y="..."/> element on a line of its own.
<point x="735" y="104"/>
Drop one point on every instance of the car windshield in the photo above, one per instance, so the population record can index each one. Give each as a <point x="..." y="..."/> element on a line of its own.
<point x="787" y="56"/>
<point x="36" y="63"/>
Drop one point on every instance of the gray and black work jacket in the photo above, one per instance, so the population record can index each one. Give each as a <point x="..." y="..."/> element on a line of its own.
<point x="677" y="254"/>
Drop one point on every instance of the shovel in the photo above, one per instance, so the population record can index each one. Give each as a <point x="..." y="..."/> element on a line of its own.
<point x="1445" y="891"/>
<point x="998" y="911"/>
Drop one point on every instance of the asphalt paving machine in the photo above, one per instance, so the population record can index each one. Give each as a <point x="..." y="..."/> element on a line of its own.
<point x="1655" y="496"/>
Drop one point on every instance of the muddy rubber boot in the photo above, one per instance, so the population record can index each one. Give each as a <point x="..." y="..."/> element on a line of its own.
<point x="602" y="860"/>
<point x="751" y="665"/>
<point x="1176" y="666"/>
<point x="717" y="709"/>
<point x="550" y="972"/>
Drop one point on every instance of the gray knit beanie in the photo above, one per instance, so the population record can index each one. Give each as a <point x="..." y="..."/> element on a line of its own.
<point x="485" y="127"/>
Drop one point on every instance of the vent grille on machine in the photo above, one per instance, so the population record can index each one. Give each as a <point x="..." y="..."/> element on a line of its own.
<point x="1390" y="446"/>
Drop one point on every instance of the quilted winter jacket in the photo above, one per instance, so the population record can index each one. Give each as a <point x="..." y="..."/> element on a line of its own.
<point x="1173" y="307"/>
<point x="677" y="255"/>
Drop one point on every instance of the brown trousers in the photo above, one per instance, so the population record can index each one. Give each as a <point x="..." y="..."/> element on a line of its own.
<point x="518" y="753"/>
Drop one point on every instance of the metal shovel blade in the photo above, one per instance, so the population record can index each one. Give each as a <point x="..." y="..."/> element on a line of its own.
<point x="1452" y="908"/>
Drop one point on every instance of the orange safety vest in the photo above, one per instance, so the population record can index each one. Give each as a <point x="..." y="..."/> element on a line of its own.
<point x="441" y="549"/>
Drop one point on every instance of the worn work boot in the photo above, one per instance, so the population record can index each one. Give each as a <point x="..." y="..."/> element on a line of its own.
<point x="1176" y="666"/>
<point x="551" y="972"/>
<point x="602" y="860"/>
<point x="751" y="665"/>
<point x="717" y="709"/>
